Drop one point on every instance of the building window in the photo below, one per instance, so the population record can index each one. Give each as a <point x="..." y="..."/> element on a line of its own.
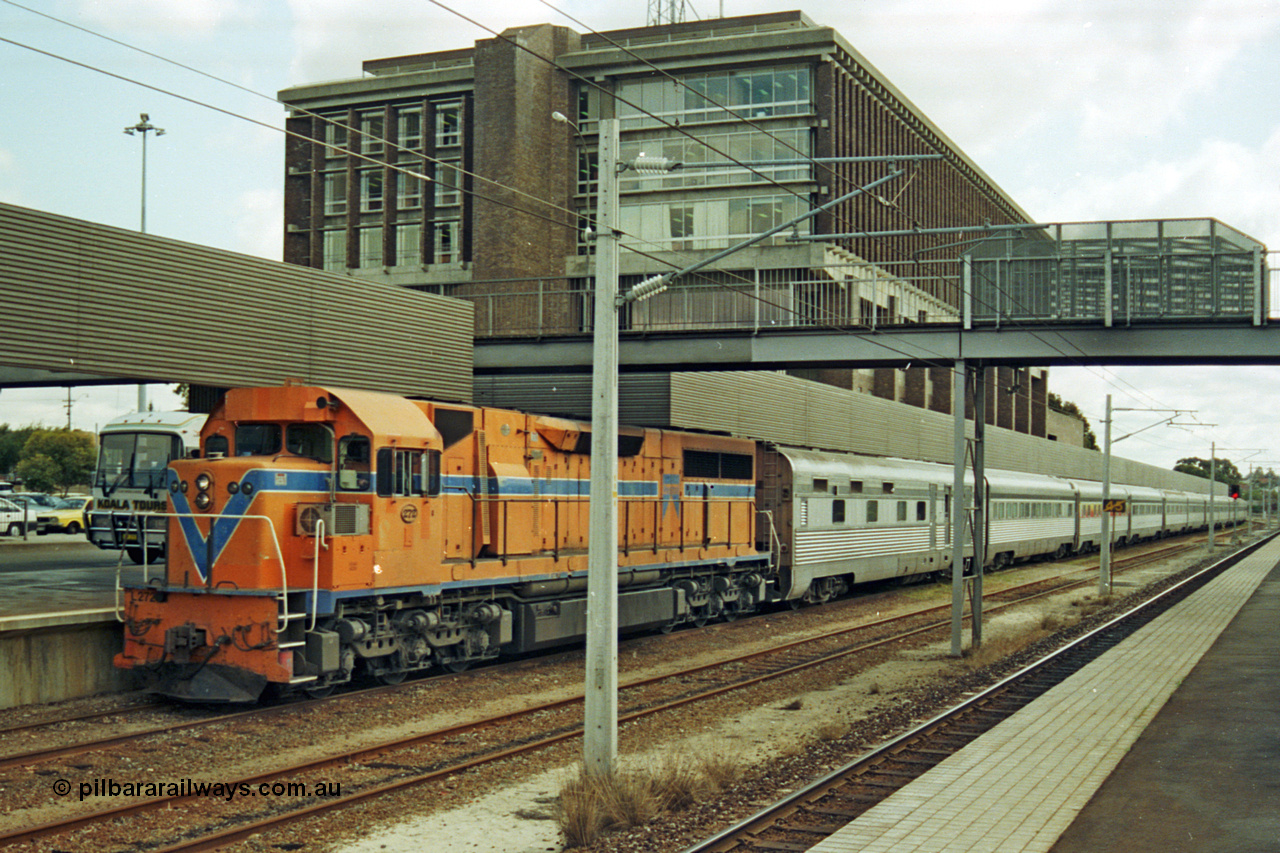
<point x="372" y="132"/>
<point x="448" y="125"/>
<point x="693" y="153"/>
<point x="371" y="247"/>
<point x="718" y="96"/>
<point x="335" y="194"/>
<point x="680" y="217"/>
<point x="409" y="128"/>
<point x="410" y="196"/>
<point x="335" y="136"/>
<point x="446" y="242"/>
<point x="751" y="216"/>
<point x="371" y="191"/>
<point x="408" y="248"/>
<point x="335" y="250"/>
<point x="447" y="182"/>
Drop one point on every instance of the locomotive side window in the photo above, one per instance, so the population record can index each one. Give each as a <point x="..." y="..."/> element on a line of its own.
<point x="215" y="444"/>
<point x="902" y="510"/>
<point x="819" y="484"/>
<point x="837" y="512"/>
<point x="313" y="441"/>
<point x="408" y="473"/>
<point x="921" y="513"/>
<point x="353" y="463"/>
<point x="257" y="439"/>
<point x="873" y="511"/>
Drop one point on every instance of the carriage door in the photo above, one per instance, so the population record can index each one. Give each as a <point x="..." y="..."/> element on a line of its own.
<point x="933" y="516"/>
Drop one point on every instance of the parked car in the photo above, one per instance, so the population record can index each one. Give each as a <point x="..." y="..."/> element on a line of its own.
<point x="68" y="515"/>
<point x="18" y="516"/>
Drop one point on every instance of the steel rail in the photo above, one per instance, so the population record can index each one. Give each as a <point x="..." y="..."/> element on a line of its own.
<point x="728" y="839"/>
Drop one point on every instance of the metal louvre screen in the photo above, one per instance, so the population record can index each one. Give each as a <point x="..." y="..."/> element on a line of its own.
<point x="1119" y="273"/>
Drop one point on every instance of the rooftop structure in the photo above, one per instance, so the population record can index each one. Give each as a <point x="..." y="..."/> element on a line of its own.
<point x="446" y="172"/>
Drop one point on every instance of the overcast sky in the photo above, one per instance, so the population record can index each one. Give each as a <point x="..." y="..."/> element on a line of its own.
<point x="1079" y="109"/>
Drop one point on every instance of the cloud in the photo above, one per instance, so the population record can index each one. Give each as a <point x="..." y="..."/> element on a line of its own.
<point x="1222" y="179"/>
<point x="258" y="217"/>
<point x="185" y="18"/>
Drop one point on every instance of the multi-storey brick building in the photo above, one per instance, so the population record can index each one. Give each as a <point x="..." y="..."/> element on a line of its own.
<point x="507" y="189"/>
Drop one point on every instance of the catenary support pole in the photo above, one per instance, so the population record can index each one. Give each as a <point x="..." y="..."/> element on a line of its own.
<point x="600" y="734"/>
<point x="1104" y="563"/>
<point x="957" y="510"/>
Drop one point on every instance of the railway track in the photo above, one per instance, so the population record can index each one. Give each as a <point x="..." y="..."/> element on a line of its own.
<point x="819" y="810"/>
<point x="80" y="747"/>
<point x="399" y="764"/>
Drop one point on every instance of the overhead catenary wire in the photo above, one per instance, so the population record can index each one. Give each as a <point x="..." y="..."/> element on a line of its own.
<point x="384" y="164"/>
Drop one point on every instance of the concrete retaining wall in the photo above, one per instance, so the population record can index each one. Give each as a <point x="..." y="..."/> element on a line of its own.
<point x="52" y="658"/>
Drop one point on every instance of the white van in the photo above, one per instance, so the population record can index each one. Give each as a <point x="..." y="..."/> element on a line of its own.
<point x="15" y="516"/>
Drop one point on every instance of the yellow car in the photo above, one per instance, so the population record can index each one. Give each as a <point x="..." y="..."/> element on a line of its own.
<point x="67" y="515"/>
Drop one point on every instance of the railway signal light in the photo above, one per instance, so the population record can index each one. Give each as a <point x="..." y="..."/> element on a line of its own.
<point x="1233" y="491"/>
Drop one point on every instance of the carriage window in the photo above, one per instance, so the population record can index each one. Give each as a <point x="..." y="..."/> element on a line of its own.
<point x="257" y="439"/>
<point x="873" y="510"/>
<point x="902" y="510"/>
<point x="837" y="512"/>
<point x="921" y="513"/>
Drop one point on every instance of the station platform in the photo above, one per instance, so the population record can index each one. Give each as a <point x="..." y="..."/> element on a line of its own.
<point x="58" y="626"/>
<point x="1169" y="742"/>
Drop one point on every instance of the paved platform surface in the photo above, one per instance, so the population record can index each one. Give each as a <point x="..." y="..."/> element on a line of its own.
<point x="1089" y="767"/>
<point x="55" y="595"/>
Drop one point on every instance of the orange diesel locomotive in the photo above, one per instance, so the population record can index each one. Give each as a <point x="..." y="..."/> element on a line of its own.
<point x="322" y="532"/>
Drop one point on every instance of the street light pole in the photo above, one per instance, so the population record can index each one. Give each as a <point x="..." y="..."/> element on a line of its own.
<point x="144" y="126"/>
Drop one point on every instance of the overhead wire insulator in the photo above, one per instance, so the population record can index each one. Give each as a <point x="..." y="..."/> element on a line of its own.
<point x="648" y="165"/>
<point x="649" y="287"/>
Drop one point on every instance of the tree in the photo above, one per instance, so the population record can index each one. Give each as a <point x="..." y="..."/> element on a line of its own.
<point x="57" y="459"/>
<point x="1224" y="470"/>
<point x="1066" y="407"/>
<point x="11" y="443"/>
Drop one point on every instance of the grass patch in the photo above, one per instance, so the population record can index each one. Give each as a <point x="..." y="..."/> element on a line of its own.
<point x="590" y="806"/>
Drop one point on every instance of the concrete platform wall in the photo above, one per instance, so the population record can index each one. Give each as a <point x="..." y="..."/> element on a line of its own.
<point x="67" y="659"/>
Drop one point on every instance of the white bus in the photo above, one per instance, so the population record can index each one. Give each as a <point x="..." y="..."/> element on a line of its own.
<point x="129" y="482"/>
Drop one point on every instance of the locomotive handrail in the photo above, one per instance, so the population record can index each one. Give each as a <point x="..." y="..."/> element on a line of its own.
<point x="315" y="574"/>
<point x="275" y="542"/>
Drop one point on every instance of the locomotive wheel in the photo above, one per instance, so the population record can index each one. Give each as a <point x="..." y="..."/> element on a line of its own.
<point x="392" y="677"/>
<point x="457" y="665"/>
<point x="319" y="692"/>
<point x="136" y="554"/>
